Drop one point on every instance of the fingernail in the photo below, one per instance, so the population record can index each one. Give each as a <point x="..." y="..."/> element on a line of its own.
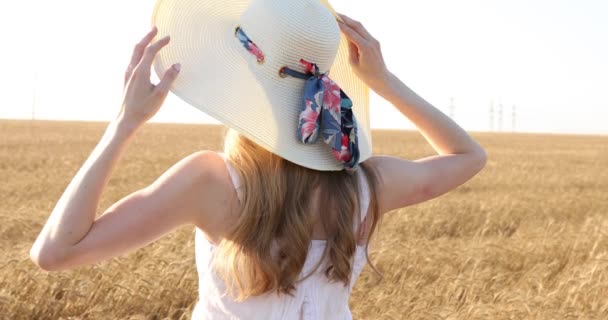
<point x="177" y="67"/>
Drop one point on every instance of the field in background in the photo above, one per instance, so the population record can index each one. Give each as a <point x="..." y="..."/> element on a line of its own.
<point x="526" y="238"/>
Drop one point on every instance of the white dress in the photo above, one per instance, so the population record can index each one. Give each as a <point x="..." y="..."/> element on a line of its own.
<point x="314" y="298"/>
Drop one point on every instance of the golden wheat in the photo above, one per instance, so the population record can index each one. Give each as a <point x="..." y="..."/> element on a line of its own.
<point x="526" y="238"/>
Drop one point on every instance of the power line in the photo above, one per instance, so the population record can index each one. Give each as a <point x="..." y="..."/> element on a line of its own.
<point x="491" y="126"/>
<point x="500" y="117"/>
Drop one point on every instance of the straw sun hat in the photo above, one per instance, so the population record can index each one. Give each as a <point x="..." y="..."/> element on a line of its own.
<point x="233" y="54"/>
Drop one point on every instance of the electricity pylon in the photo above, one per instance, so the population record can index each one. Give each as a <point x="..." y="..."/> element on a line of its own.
<point x="500" y="117"/>
<point x="491" y="115"/>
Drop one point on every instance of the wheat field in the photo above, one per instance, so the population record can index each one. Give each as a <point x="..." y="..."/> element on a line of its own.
<point x="524" y="239"/>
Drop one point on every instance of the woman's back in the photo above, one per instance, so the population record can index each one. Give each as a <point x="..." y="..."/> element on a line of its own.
<point x="314" y="298"/>
<point x="278" y="169"/>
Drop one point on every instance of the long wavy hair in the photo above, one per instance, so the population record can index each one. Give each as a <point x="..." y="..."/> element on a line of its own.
<point x="266" y="248"/>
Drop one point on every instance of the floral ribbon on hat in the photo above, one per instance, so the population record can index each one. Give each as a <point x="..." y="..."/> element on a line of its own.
<point x="249" y="45"/>
<point x="326" y="109"/>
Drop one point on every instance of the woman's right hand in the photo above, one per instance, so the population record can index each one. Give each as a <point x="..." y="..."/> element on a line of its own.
<point x="365" y="55"/>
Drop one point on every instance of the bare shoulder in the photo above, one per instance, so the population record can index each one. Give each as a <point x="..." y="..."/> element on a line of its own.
<point x="216" y="196"/>
<point x="207" y="163"/>
<point x="200" y="168"/>
<point x="407" y="182"/>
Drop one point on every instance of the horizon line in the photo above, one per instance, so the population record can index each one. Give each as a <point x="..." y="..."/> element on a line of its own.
<point x="597" y="134"/>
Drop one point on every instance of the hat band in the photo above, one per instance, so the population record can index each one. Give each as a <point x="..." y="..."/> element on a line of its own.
<point x="325" y="108"/>
<point x="249" y="45"/>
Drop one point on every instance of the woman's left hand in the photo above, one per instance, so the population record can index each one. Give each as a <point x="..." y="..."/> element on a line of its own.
<point x="142" y="99"/>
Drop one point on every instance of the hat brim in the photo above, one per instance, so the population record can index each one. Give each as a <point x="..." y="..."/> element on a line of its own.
<point x="218" y="78"/>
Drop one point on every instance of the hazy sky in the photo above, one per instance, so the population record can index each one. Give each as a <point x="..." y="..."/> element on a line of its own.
<point x="67" y="59"/>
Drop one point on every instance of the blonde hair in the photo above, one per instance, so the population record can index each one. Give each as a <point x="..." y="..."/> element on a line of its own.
<point x="266" y="248"/>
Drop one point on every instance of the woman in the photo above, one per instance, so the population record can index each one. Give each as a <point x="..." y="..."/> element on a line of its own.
<point x="280" y="234"/>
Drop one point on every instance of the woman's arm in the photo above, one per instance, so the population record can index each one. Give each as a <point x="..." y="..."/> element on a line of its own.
<point x="74" y="214"/>
<point x="187" y="193"/>
<point x="406" y="182"/>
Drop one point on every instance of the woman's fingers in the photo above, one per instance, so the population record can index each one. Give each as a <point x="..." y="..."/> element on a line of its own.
<point x="365" y="54"/>
<point x="150" y="53"/>
<point x="142" y="99"/>
<point x="352" y="35"/>
<point x="162" y="88"/>
<point x="138" y="52"/>
<point x="354" y="41"/>
<point x="353" y="52"/>
<point x="357" y="27"/>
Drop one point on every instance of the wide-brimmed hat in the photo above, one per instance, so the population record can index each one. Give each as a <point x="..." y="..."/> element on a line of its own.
<point x="276" y="71"/>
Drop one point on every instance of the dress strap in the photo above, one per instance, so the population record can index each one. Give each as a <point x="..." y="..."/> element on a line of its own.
<point x="364" y="192"/>
<point x="364" y="204"/>
<point x="236" y="182"/>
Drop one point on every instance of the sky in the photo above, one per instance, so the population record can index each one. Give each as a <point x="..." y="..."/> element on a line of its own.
<point x="542" y="60"/>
